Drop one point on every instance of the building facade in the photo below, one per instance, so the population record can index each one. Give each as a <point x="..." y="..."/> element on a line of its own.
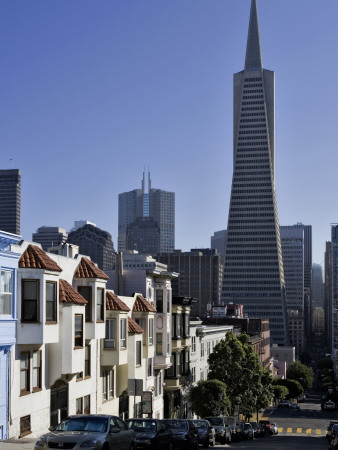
<point x="8" y="306"/>
<point x="144" y="212"/>
<point x="10" y="200"/>
<point x="253" y="268"/>
<point x="200" y="276"/>
<point x="218" y="241"/>
<point x="50" y="237"/>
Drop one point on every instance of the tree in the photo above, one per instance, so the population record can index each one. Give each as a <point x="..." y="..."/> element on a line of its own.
<point x="208" y="398"/>
<point x="294" y="387"/>
<point x="299" y="372"/>
<point x="280" y="392"/>
<point x="234" y="362"/>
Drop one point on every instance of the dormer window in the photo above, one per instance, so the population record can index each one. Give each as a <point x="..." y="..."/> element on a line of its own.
<point x="100" y="305"/>
<point x="50" y="301"/>
<point x="78" y="331"/>
<point x="30" y="300"/>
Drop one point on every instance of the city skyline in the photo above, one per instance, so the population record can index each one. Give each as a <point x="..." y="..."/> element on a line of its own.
<point x="88" y="102"/>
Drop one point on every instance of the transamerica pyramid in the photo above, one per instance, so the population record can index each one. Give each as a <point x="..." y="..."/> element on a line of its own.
<point x="253" y="268"/>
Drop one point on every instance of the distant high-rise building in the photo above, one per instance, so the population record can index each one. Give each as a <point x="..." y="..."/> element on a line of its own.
<point x="146" y="214"/>
<point x="218" y="241"/>
<point x="253" y="268"/>
<point x="200" y="276"/>
<point x="50" y="237"/>
<point x="96" y="243"/>
<point x="317" y="291"/>
<point x="307" y="255"/>
<point x="331" y="282"/>
<point x="328" y="293"/>
<point x="10" y="200"/>
<point x="81" y="223"/>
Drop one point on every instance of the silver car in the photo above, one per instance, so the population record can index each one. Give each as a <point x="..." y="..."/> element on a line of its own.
<point x="91" y="431"/>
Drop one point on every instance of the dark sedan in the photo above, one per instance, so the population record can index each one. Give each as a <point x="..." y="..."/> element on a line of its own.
<point x="92" y="431"/>
<point x="184" y="433"/>
<point x="206" y="432"/>
<point x="151" y="434"/>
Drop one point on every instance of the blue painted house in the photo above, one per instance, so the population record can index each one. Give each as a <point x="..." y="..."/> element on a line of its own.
<point x="8" y="274"/>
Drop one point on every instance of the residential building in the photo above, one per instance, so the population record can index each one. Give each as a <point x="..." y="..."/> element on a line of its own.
<point x="146" y="219"/>
<point x="218" y="242"/>
<point x="8" y="313"/>
<point x="10" y="200"/>
<point x="253" y="267"/>
<point x="292" y="240"/>
<point x="96" y="243"/>
<point x="50" y="237"/>
<point x="200" y="276"/>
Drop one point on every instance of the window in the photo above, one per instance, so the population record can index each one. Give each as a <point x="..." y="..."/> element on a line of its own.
<point x="151" y="331"/>
<point x="24" y="372"/>
<point x="107" y="384"/>
<point x="141" y="322"/>
<point x="168" y="300"/>
<point x="202" y="350"/>
<point x="25" y="426"/>
<point x="179" y="325"/>
<point x="193" y="374"/>
<point x="193" y="344"/>
<point x="36" y="385"/>
<point x="51" y="301"/>
<point x="150" y="367"/>
<point x="173" y="326"/>
<point x="86" y="292"/>
<point x="123" y="333"/>
<point x="100" y="305"/>
<point x="30" y="297"/>
<point x="138" y="353"/>
<point x="159" y="300"/>
<point x="79" y="405"/>
<point x="109" y="341"/>
<point x="78" y="330"/>
<point x="168" y="343"/>
<point x="87" y="361"/>
<point x="6" y="293"/>
<point x="159" y="344"/>
<point x="86" y="404"/>
<point x="186" y="329"/>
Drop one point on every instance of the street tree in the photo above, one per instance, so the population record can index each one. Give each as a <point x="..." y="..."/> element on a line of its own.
<point x="294" y="387"/>
<point x="299" y="372"/>
<point x="209" y="398"/>
<point x="279" y="392"/>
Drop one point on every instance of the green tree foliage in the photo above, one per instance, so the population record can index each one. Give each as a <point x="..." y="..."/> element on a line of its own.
<point x="234" y="362"/>
<point x="294" y="387"/>
<point x="280" y="392"/>
<point x="325" y="363"/>
<point x="299" y="372"/>
<point x="208" y="398"/>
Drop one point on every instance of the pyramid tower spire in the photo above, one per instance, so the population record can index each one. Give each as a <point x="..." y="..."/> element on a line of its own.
<point x="253" y="59"/>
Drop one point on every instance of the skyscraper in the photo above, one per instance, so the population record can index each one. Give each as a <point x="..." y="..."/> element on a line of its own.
<point x="145" y="214"/>
<point x="50" y="236"/>
<point x="253" y="269"/>
<point x="10" y="200"/>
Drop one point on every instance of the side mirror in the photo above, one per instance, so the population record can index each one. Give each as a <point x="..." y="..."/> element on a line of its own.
<point x="113" y="429"/>
<point x="51" y="428"/>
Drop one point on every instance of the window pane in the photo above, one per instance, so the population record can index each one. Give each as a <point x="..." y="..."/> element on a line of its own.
<point x="159" y="339"/>
<point x="109" y="341"/>
<point x="151" y="331"/>
<point x="6" y="281"/>
<point x="24" y="361"/>
<point x="86" y="293"/>
<point x="30" y="291"/>
<point x="111" y="384"/>
<point x="123" y="333"/>
<point x="30" y="301"/>
<point x="6" y="304"/>
<point x="159" y="300"/>
<point x="99" y="305"/>
<point x="50" y="302"/>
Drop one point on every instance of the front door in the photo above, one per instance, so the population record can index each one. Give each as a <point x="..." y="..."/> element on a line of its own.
<point x="58" y="402"/>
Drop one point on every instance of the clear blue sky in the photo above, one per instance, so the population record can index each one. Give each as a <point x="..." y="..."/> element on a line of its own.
<point x="93" y="91"/>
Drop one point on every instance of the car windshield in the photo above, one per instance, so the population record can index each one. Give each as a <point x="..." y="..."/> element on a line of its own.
<point x="98" y="425"/>
<point x="142" y="426"/>
<point x="177" y="424"/>
<point x="218" y="421"/>
<point x="200" y="424"/>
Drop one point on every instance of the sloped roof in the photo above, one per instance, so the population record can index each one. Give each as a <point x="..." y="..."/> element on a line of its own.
<point x="113" y="303"/>
<point x="87" y="269"/>
<point x="142" y="305"/>
<point x="70" y="295"/>
<point x="133" y="327"/>
<point x="36" y="258"/>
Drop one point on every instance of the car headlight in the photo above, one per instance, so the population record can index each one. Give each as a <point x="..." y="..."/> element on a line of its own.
<point x="90" y="443"/>
<point x="40" y="443"/>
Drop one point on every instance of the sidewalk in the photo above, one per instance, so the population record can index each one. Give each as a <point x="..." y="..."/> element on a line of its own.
<point x="20" y="444"/>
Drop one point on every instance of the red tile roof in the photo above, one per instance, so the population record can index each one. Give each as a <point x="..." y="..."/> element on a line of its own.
<point x="70" y="295"/>
<point x="133" y="327"/>
<point x="142" y="305"/>
<point x="36" y="258"/>
<point x="87" y="269"/>
<point x="113" y="303"/>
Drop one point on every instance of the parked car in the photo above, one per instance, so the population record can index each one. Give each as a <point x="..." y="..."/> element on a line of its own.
<point x="274" y="428"/>
<point x="184" y="433"/>
<point x="267" y="424"/>
<point x="284" y="404"/>
<point x="97" y="431"/>
<point x="294" y="406"/>
<point x="206" y="432"/>
<point x="329" y="405"/>
<point x="151" y="433"/>
<point x="330" y="432"/>
<point x="246" y="430"/>
<point x="334" y="443"/>
<point x="222" y="429"/>
<point x="235" y="428"/>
